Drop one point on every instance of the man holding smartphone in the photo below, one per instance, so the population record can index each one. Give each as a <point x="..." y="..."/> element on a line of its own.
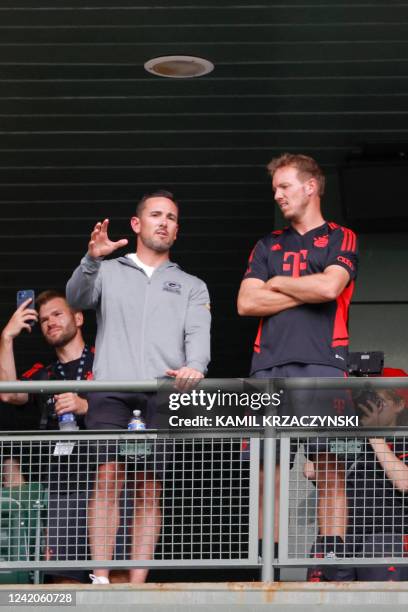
<point x="153" y="322"/>
<point x="61" y="328"/>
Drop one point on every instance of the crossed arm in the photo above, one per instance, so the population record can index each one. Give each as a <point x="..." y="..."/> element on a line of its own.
<point x="259" y="298"/>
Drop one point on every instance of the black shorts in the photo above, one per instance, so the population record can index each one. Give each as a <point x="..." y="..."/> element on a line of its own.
<point x="114" y="410"/>
<point x="313" y="402"/>
<point x="110" y="411"/>
<point x="310" y="402"/>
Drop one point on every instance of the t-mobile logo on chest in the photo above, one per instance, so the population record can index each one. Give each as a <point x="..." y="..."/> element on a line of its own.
<point x="294" y="263"/>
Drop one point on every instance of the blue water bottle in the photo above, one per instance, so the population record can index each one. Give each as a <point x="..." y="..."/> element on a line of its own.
<point x="137" y="422"/>
<point x="68" y="422"/>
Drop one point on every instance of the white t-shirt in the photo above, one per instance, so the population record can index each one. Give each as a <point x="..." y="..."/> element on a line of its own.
<point x="148" y="269"/>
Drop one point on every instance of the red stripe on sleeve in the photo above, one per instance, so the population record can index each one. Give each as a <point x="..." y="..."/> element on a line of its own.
<point x="349" y="240"/>
<point x="251" y="255"/>
<point x="257" y="345"/>
<point x="340" y="328"/>
<point x="354" y="242"/>
<point x="345" y="238"/>
<point x="36" y="367"/>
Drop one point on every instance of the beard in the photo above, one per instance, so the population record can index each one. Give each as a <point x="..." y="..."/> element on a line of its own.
<point x="64" y="338"/>
<point x="157" y="244"/>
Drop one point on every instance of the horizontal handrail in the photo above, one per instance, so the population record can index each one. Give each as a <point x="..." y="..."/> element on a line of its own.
<point x="151" y="385"/>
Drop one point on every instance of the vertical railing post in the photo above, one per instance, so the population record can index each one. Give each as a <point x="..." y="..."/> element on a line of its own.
<point x="284" y="495"/>
<point x="268" y="528"/>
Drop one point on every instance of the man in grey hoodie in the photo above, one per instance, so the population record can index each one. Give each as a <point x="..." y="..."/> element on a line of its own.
<point x="153" y="321"/>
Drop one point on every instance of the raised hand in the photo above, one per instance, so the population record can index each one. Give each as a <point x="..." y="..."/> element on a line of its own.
<point x="19" y="321"/>
<point x="100" y="245"/>
<point x="374" y="415"/>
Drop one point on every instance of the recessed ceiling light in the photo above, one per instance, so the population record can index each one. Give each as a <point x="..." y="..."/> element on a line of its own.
<point x="179" y="66"/>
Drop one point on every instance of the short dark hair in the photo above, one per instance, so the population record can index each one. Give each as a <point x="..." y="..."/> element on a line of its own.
<point x="47" y="296"/>
<point x="160" y="193"/>
<point x="306" y="166"/>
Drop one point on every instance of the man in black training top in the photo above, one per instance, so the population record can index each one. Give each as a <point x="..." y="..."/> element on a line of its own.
<point x="300" y="281"/>
<point x="63" y="474"/>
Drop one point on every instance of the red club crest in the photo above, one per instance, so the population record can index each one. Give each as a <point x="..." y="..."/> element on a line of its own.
<point x="321" y="241"/>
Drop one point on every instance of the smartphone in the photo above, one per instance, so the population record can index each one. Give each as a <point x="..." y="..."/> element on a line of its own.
<point x="22" y="296"/>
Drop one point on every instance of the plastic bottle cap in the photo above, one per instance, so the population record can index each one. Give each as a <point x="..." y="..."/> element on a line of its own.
<point x="136" y="413"/>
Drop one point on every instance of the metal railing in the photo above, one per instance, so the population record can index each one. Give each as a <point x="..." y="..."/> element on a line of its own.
<point x="376" y="486"/>
<point x="195" y="495"/>
<point x="194" y="500"/>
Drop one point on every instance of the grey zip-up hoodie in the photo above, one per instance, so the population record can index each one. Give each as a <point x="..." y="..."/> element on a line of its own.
<point x="145" y="325"/>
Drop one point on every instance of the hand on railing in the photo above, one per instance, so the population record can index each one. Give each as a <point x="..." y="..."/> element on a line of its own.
<point x="185" y="378"/>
